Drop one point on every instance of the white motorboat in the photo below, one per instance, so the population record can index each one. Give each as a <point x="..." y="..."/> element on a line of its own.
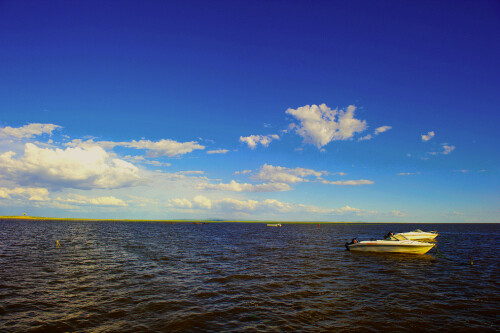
<point x="390" y="246"/>
<point x="274" y="225"/>
<point x="419" y="235"/>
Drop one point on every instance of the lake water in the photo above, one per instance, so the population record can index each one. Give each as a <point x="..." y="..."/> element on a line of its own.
<point x="243" y="277"/>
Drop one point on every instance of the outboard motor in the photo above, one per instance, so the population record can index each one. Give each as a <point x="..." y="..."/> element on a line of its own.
<point x="353" y="241"/>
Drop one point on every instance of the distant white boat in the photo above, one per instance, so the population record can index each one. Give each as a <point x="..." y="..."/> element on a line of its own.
<point x="418" y="235"/>
<point x="390" y="246"/>
<point x="274" y="225"/>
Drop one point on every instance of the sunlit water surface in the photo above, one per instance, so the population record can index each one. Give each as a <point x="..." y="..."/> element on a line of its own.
<point x="185" y="277"/>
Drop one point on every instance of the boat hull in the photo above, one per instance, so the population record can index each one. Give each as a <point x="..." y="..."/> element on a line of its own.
<point x="419" y="235"/>
<point x="391" y="247"/>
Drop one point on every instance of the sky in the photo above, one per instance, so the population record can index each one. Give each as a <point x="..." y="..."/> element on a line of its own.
<point x="251" y="110"/>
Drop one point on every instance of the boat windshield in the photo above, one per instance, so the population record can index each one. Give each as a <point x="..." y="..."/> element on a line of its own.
<point x="398" y="237"/>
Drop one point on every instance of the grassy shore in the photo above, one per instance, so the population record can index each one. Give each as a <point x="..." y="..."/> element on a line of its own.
<point x="40" y="218"/>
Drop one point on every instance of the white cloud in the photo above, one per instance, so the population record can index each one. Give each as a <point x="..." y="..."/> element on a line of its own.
<point x="28" y="131"/>
<point x="253" y="140"/>
<point x="407" y="173"/>
<point x="319" y="125"/>
<point x="90" y="143"/>
<point x="218" y="151"/>
<point x="191" y="172"/>
<point x="447" y="149"/>
<point x="179" y="203"/>
<point x="346" y="209"/>
<point x="202" y="201"/>
<point x="428" y="136"/>
<point x="242" y="172"/>
<point x="96" y="201"/>
<point x="348" y="182"/>
<point x="245" y="187"/>
<point x="163" y="147"/>
<point x="232" y="205"/>
<point x="84" y="168"/>
<point x="142" y="201"/>
<point x="366" y="137"/>
<point x="377" y="131"/>
<point x="157" y="163"/>
<point x="398" y="213"/>
<point x="285" y="175"/>
<point x="142" y="160"/>
<point x="30" y="193"/>
<point x="382" y="129"/>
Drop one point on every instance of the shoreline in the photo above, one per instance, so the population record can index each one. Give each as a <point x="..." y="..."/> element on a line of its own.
<point x="194" y="221"/>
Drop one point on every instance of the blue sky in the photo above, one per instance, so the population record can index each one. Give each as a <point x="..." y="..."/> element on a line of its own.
<point x="253" y="110"/>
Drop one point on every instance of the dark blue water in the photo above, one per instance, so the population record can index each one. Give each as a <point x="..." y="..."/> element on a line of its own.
<point x="184" y="277"/>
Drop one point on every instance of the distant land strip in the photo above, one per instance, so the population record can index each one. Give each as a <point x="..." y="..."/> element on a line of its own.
<point x="41" y="218"/>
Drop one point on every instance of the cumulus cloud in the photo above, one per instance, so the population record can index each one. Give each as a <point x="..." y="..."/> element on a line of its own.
<point x="83" y="168"/>
<point x="447" y="149"/>
<point x="319" y="125"/>
<point x="202" y="202"/>
<point x="86" y="144"/>
<point x="377" y="131"/>
<point x="253" y="140"/>
<point x="348" y="182"/>
<point x="28" y="131"/>
<point x="164" y="147"/>
<point x="346" y="209"/>
<point x="428" y="136"/>
<point x="142" y="160"/>
<point x="245" y="187"/>
<point x="179" y="203"/>
<point x="382" y="129"/>
<point x="96" y="201"/>
<point x="275" y="178"/>
<point x="218" y="151"/>
<point x="228" y="205"/>
<point x="285" y="175"/>
<point x="30" y="193"/>
<point x="366" y="137"/>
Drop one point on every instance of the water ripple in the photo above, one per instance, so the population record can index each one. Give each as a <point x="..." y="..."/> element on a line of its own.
<point x="157" y="277"/>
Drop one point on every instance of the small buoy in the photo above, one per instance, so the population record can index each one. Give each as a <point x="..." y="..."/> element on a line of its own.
<point x="471" y="262"/>
<point x="57" y="243"/>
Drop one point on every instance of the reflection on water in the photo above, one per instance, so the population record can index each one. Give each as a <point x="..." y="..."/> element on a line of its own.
<point x="130" y="277"/>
